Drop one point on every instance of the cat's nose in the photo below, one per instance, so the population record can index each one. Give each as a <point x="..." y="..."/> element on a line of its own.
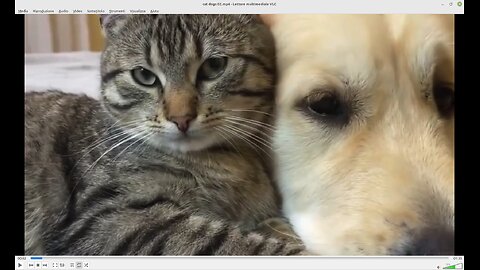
<point x="182" y="122"/>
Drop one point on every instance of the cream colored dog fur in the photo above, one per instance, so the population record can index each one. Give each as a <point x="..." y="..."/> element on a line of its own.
<point x="377" y="178"/>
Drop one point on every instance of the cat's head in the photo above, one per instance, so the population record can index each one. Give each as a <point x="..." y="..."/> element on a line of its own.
<point x="188" y="82"/>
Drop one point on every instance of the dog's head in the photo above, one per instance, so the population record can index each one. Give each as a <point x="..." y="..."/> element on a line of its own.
<point x="365" y="131"/>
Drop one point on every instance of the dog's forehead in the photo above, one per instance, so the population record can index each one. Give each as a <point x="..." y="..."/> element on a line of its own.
<point x="357" y="49"/>
<point x="352" y="38"/>
<point x="416" y="32"/>
<point x="349" y="48"/>
<point x="425" y="43"/>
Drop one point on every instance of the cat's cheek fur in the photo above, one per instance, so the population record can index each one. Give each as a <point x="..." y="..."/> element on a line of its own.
<point x="112" y="96"/>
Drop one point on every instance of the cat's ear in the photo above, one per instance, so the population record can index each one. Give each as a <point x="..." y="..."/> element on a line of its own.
<point x="111" y="23"/>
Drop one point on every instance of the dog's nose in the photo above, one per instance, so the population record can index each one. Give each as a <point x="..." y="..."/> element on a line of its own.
<point x="434" y="241"/>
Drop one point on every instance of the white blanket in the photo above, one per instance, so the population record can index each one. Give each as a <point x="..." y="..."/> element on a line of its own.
<point x="76" y="72"/>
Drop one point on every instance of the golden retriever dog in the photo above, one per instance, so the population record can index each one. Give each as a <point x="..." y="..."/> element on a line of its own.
<point x="364" y="137"/>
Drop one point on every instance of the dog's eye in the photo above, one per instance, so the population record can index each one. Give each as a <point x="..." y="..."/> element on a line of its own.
<point x="326" y="106"/>
<point x="444" y="97"/>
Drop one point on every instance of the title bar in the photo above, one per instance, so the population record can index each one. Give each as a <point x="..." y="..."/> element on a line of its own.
<point x="239" y="6"/>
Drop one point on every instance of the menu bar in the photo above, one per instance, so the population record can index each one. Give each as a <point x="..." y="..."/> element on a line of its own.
<point x="239" y="6"/>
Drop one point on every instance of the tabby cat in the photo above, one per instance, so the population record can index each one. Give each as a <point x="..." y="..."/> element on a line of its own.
<point x="169" y="162"/>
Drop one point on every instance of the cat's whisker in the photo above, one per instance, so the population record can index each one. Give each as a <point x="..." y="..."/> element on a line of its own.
<point x="145" y="146"/>
<point x="254" y="129"/>
<point x="104" y="130"/>
<point x="142" y="144"/>
<point x="253" y="142"/>
<point x="250" y="135"/>
<point x="242" y="135"/>
<point x="101" y="140"/>
<point x="252" y="121"/>
<point x="255" y="111"/>
<point x="243" y="138"/>
<point x="115" y="125"/>
<point x="259" y="139"/>
<point x="260" y="136"/>
<point x="224" y="136"/>
<point x="108" y="151"/>
<point x="119" y="124"/>
<point x="126" y="126"/>
<point x="158" y="130"/>
<point x="122" y="133"/>
<point x="136" y="141"/>
<point x="264" y="140"/>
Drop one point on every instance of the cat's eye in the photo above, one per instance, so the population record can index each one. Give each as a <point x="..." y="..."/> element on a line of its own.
<point x="444" y="97"/>
<point x="144" y="76"/>
<point x="326" y="106"/>
<point x="212" y="68"/>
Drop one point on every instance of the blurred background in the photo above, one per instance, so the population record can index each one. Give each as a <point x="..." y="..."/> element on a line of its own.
<point x="62" y="33"/>
<point x="62" y="52"/>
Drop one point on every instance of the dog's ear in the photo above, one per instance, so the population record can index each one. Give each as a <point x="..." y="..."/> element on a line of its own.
<point x="111" y="23"/>
<point x="268" y="19"/>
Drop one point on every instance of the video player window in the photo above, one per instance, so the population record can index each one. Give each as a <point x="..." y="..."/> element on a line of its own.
<point x="275" y="136"/>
